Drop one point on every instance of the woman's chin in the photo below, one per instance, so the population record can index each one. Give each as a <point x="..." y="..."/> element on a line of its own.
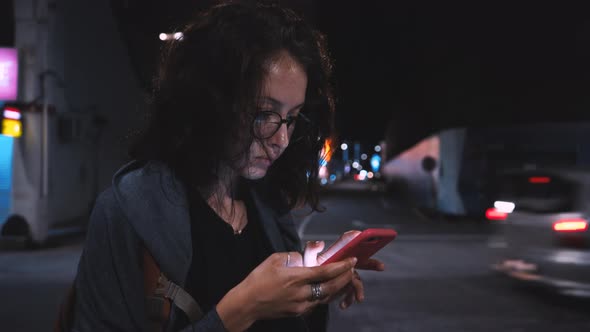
<point x="254" y="173"/>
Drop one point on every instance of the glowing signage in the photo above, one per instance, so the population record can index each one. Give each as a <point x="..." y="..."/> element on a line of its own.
<point x="10" y="124"/>
<point x="12" y="113"/>
<point x="326" y="153"/>
<point x="11" y="128"/>
<point x="8" y="74"/>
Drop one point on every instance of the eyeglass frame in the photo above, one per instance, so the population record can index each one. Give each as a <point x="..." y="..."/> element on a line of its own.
<point x="280" y="123"/>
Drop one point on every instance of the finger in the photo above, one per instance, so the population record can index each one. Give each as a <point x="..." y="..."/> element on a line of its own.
<point x="310" y="255"/>
<point x="304" y="294"/>
<point x="327" y="272"/>
<point x="341" y="242"/>
<point x="372" y="265"/>
<point x="332" y="288"/>
<point x="359" y="288"/>
<point x="293" y="259"/>
<point x="348" y="298"/>
<point x="355" y="290"/>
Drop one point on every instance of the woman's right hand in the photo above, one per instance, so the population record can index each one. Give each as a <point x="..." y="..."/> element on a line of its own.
<point x="273" y="290"/>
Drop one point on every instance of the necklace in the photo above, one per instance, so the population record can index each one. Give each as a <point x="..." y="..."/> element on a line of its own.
<point x="237" y="220"/>
<point x="242" y="223"/>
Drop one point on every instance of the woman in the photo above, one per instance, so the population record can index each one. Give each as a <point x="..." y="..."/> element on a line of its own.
<point x="241" y="108"/>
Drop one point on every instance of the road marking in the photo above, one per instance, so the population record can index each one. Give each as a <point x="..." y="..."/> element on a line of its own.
<point x="304" y="224"/>
<point x="497" y="242"/>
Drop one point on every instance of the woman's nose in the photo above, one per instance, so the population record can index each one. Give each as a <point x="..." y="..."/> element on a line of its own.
<point x="281" y="137"/>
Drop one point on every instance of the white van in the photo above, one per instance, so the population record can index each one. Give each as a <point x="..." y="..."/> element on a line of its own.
<point x="47" y="182"/>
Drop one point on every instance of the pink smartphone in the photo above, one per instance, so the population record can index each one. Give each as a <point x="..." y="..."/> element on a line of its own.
<point x="364" y="245"/>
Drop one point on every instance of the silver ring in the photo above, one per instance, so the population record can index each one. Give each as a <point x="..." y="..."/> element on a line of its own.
<point x="288" y="259"/>
<point x="316" y="292"/>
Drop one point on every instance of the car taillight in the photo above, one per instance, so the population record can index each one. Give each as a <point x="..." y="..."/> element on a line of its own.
<point x="539" y="179"/>
<point x="571" y="225"/>
<point x="494" y="214"/>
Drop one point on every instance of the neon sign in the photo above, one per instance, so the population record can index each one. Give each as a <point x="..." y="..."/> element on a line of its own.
<point x="8" y="74"/>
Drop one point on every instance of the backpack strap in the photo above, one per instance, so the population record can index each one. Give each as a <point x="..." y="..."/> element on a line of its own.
<point x="65" y="318"/>
<point x="161" y="293"/>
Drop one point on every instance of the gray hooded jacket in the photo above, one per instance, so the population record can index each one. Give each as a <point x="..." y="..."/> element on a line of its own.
<point x="147" y="205"/>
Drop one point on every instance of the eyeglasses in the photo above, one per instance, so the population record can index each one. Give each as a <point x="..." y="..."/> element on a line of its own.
<point x="267" y="123"/>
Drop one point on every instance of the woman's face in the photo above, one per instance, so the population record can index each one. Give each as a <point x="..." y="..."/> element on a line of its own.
<point x="283" y="93"/>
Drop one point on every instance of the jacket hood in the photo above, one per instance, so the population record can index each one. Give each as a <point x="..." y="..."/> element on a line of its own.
<point x="155" y="204"/>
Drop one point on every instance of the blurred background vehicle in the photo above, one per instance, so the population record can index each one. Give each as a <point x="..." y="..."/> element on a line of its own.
<point x="542" y="218"/>
<point x="68" y="98"/>
<point x="48" y="172"/>
<point x="454" y="172"/>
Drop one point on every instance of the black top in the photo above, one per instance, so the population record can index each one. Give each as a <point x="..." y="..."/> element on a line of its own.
<point x="222" y="259"/>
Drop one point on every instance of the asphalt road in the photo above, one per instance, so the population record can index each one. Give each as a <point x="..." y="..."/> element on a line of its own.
<point x="437" y="274"/>
<point x="437" y="277"/>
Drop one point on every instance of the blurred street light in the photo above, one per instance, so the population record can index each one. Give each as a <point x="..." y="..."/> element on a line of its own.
<point x="375" y="162"/>
<point x="170" y="36"/>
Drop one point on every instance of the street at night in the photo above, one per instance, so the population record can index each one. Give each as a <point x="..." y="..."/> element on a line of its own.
<point x="437" y="277"/>
<point x="463" y="126"/>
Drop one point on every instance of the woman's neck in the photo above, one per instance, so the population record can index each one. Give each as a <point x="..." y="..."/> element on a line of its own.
<point x="223" y="197"/>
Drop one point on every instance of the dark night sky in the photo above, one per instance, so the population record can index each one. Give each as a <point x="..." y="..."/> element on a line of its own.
<point x="435" y="65"/>
<point x="418" y="66"/>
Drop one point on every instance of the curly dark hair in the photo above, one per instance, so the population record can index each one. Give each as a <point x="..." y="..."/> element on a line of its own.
<point x="206" y="93"/>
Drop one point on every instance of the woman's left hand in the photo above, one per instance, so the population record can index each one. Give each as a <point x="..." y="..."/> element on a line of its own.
<point x="314" y="256"/>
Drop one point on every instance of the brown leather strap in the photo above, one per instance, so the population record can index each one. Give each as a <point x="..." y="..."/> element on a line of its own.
<point x="158" y="307"/>
<point x="180" y="298"/>
<point x="65" y="318"/>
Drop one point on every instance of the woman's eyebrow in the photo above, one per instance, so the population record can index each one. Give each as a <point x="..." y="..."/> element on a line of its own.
<point x="277" y="103"/>
<point x="297" y="107"/>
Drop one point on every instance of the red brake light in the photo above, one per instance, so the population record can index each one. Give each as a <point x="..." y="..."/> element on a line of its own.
<point x="493" y="214"/>
<point x="570" y="225"/>
<point x="539" y="179"/>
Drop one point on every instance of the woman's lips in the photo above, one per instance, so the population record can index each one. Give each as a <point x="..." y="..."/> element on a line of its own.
<point x="263" y="161"/>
